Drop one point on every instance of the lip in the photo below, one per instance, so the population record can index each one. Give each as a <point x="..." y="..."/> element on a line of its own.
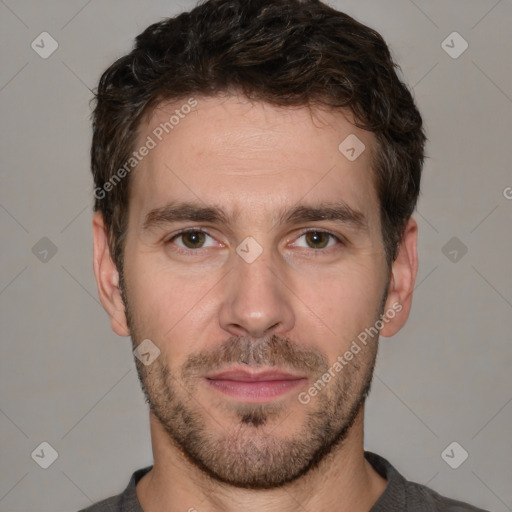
<point x="254" y="386"/>
<point x="243" y="375"/>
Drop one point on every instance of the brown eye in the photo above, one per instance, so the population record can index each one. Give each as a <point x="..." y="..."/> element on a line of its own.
<point x="193" y="239"/>
<point x="317" y="239"/>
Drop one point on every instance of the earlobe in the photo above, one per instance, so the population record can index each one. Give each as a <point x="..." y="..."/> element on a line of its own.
<point x="401" y="286"/>
<point x="107" y="278"/>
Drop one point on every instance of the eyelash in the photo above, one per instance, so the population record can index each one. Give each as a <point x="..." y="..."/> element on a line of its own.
<point x="315" y="252"/>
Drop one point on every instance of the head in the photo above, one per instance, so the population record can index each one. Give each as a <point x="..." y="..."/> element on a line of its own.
<point x="278" y="134"/>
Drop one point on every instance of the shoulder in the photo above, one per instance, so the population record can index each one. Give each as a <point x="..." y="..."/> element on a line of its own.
<point x="401" y="494"/>
<point x="420" y="494"/>
<point x="127" y="501"/>
<point x="107" y="505"/>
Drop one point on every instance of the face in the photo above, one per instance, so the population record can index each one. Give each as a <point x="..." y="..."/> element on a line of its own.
<point x="254" y="261"/>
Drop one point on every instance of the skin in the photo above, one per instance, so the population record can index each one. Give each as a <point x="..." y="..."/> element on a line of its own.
<point x="298" y="306"/>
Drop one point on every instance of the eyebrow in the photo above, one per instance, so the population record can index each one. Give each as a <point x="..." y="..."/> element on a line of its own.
<point x="338" y="211"/>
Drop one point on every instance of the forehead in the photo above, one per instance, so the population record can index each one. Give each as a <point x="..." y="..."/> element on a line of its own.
<point x="252" y="157"/>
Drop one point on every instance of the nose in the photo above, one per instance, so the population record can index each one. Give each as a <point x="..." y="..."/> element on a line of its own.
<point x="256" y="302"/>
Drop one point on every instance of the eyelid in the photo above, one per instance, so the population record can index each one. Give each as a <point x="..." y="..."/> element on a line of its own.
<point x="187" y="230"/>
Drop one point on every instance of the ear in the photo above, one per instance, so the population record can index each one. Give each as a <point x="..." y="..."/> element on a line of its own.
<point x="107" y="278"/>
<point x="401" y="285"/>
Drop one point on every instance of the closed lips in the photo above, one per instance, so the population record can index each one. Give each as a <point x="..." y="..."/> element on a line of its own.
<point x="244" y="376"/>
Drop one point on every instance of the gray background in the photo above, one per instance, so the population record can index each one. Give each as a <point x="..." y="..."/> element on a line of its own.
<point x="68" y="380"/>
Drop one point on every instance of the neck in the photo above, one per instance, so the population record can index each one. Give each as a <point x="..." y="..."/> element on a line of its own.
<point x="344" y="481"/>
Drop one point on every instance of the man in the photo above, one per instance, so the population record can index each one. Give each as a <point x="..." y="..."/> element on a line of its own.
<point x="256" y="166"/>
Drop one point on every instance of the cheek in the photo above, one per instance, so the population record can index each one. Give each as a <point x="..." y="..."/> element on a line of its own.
<point x="338" y="306"/>
<point x="167" y="305"/>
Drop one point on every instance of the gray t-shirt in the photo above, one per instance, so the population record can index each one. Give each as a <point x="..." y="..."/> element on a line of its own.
<point x="399" y="495"/>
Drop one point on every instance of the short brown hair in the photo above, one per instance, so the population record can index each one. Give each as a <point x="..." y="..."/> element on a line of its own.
<point x="283" y="52"/>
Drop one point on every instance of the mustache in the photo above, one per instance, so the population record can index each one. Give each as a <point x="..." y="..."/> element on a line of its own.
<point x="273" y="350"/>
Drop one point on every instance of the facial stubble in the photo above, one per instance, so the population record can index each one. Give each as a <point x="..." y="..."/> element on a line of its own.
<point x="247" y="451"/>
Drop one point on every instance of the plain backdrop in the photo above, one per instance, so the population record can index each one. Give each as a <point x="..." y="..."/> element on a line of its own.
<point x="69" y="381"/>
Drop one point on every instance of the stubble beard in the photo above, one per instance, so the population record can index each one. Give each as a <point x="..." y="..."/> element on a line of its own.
<point x="246" y="452"/>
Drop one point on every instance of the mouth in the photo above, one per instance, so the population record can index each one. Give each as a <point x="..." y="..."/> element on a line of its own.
<point x="254" y="386"/>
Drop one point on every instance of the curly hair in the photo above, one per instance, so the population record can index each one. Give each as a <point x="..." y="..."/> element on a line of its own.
<point x="282" y="52"/>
